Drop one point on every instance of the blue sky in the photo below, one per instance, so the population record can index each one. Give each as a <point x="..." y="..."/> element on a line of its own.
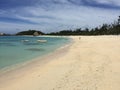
<point x="55" y="15"/>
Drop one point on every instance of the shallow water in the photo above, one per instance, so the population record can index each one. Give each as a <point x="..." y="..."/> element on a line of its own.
<point x="19" y="49"/>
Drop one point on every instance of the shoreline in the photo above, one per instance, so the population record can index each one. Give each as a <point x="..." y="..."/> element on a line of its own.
<point x="25" y="66"/>
<point x="18" y="65"/>
<point x="89" y="63"/>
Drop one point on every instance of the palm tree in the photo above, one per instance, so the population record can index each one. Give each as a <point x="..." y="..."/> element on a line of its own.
<point x="119" y="20"/>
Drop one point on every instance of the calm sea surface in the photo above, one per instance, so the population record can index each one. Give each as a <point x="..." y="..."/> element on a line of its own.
<point x="19" y="49"/>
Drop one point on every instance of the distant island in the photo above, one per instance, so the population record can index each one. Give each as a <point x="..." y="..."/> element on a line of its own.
<point x="4" y="34"/>
<point x="30" y="32"/>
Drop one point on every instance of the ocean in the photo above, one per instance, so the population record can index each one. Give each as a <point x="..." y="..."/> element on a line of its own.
<point x="20" y="49"/>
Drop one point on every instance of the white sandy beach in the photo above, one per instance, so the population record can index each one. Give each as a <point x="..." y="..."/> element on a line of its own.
<point x="89" y="63"/>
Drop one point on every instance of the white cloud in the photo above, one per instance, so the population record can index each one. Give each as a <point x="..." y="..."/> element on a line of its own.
<point x="111" y="2"/>
<point x="60" y="16"/>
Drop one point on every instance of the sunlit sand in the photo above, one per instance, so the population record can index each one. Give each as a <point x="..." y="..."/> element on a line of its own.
<point x="88" y="63"/>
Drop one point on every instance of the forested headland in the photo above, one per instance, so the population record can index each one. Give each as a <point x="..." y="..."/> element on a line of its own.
<point x="105" y="29"/>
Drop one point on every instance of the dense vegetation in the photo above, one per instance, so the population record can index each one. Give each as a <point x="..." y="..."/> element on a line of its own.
<point x="29" y="32"/>
<point x="105" y="29"/>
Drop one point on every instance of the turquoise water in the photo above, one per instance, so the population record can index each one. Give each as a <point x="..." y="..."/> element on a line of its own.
<point x="14" y="50"/>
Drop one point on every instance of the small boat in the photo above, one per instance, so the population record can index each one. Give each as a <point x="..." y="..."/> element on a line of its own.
<point x="25" y="40"/>
<point x="42" y="41"/>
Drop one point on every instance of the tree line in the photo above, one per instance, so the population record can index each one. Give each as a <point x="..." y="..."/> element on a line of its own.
<point x="105" y="29"/>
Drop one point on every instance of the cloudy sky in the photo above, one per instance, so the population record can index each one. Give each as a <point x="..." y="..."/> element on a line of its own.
<point x="55" y="15"/>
